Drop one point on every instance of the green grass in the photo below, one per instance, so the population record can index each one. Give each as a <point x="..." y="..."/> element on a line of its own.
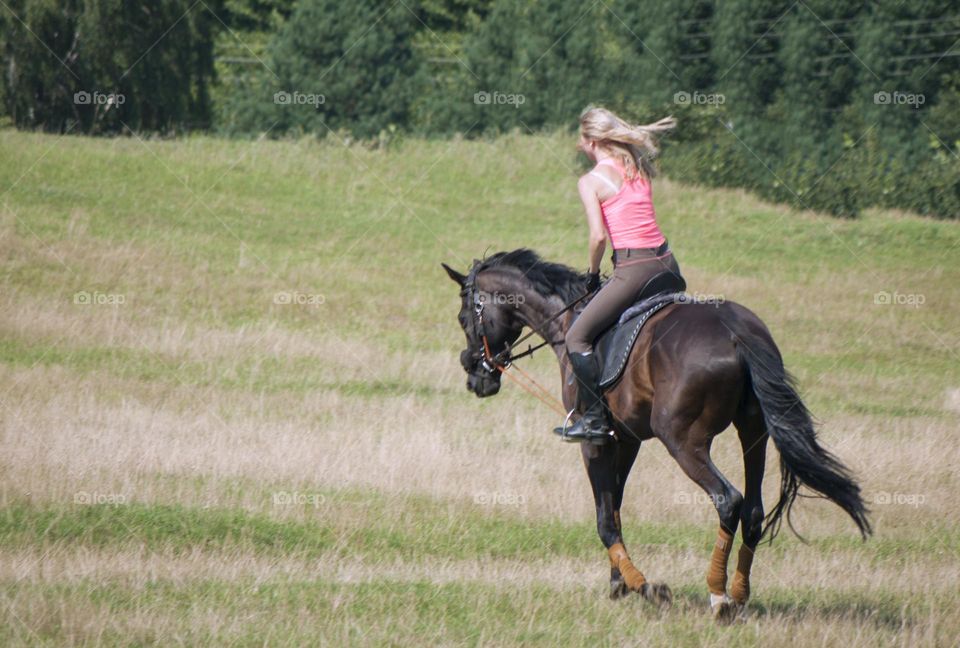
<point x="392" y="528"/>
<point x="200" y="234"/>
<point x="426" y="613"/>
<point x="289" y="609"/>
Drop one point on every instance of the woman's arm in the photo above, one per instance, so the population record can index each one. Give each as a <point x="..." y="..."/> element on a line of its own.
<point x="598" y="233"/>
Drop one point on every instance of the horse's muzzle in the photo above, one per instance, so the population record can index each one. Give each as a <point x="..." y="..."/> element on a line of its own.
<point x="483" y="384"/>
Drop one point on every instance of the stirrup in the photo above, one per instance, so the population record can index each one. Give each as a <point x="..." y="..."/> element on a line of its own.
<point x="596" y="439"/>
<point x="566" y="424"/>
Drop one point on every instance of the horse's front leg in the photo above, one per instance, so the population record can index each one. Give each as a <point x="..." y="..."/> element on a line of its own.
<point x="608" y="467"/>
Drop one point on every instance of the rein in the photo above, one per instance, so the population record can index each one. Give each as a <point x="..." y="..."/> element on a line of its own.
<point x="505" y="359"/>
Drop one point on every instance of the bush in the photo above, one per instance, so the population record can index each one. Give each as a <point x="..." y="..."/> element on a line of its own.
<point x="546" y="61"/>
<point x="794" y="114"/>
<point x="333" y="65"/>
<point x="100" y="73"/>
<point x="842" y="177"/>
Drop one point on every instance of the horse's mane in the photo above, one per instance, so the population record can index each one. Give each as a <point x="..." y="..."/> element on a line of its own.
<point x="547" y="278"/>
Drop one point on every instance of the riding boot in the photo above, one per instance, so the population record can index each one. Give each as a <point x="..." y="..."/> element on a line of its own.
<point x="592" y="425"/>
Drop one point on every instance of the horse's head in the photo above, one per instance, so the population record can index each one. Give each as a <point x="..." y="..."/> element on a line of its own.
<point x="490" y="320"/>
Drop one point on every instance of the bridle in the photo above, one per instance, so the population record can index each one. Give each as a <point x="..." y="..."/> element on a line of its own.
<point x="488" y="361"/>
<point x="500" y="362"/>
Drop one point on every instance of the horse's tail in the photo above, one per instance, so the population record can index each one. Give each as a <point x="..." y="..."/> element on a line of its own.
<point x="789" y="424"/>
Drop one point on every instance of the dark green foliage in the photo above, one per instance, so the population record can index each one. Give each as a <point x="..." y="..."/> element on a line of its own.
<point x="943" y="117"/>
<point x="746" y="38"/>
<point x="39" y="89"/>
<point x="333" y="65"/>
<point x="105" y="65"/>
<point x="540" y="63"/>
<point x="451" y="16"/>
<point x="833" y="105"/>
<point x="254" y="15"/>
<point x="358" y="55"/>
<point x="670" y="43"/>
<point x="791" y="109"/>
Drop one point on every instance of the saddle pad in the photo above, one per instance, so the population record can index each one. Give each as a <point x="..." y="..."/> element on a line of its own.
<point x="615" y="344"/>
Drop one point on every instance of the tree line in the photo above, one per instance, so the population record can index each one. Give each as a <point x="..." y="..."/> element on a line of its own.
<point x="834" y="106"/>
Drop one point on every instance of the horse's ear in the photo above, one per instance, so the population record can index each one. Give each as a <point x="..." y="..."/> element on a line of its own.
<point x="456" y="276"/>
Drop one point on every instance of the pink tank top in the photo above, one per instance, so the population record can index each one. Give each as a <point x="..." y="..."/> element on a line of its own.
<point x="629" y="215"/>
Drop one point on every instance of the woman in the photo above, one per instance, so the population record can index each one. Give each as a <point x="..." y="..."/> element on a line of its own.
<point x="618" y="201"/>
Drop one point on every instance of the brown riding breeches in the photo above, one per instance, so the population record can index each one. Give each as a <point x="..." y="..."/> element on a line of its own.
<point x="632" y="269"/>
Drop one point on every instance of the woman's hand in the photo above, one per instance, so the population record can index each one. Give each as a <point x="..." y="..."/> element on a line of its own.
<point x="593" y="281"/>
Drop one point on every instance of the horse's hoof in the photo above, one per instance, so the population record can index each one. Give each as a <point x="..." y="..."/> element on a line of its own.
<point x="725" y="609"/>
<point x="618" y="589"/>
<point x="657" y="593"/>
<point x="741" y="612"/>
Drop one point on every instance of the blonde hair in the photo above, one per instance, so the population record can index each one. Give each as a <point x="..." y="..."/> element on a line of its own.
<point x="634" y="145"/>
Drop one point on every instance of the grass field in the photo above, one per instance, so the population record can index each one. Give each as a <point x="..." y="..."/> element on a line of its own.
<point x="232" y="410"/>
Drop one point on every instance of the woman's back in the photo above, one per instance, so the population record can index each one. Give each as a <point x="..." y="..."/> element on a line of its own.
<point x="629" y="214"/>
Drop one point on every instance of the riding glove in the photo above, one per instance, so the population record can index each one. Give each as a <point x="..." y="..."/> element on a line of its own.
<point x="593" y="281"/>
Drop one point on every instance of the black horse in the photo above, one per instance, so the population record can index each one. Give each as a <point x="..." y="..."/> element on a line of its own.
<point x="695" y="369"/>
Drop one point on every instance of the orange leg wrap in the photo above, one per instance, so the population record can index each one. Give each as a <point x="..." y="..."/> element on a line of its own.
<point x="740" y="590"/>
<point x="632" y="577"/>
<point x="717" y="573"/>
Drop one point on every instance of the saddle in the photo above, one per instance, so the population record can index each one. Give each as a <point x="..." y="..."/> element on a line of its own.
<point x="614" y="345"/>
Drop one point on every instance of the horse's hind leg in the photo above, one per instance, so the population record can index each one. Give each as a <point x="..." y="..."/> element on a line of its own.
<point x="753" y="439"/>
<point x="690" y="447"/>
<point x="608" y="467"/>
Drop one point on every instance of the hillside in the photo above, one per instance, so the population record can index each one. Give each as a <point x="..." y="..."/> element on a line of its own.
<point x="232" y="407"/>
